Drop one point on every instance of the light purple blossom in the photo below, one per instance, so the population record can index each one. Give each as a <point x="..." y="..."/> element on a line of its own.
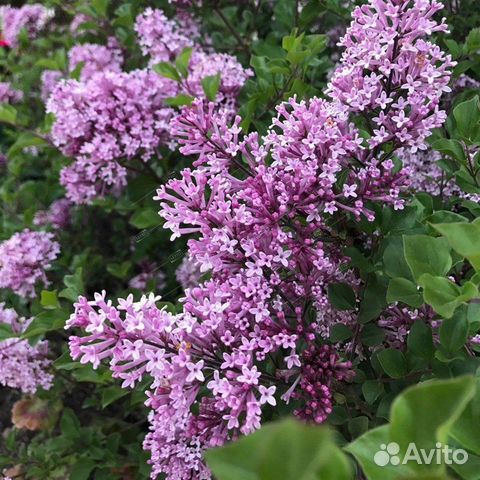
<point x="96" y="58"/>
<point x="388" y="66"/>
<point x="104" y="121"/>
<point x="32" y="18"/>
<point x="24" y="257"/>
<point x="57" y="215"/>
<point x="8" y="94"/>
<point x="22" y="366"/>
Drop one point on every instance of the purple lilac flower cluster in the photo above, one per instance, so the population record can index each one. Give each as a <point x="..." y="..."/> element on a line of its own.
<point x="93" y="58"/>
<point x="76" y="24"/>
<point x="57" y="215"/>
<point x="388" y="67"/>
<point x="24" y="257"/>
<point x="32" y="18"/>
<point x="22" y="366"/>
<point x="96" y="58"/>
<point x="262" y="213"/>
<point x="9" y="94"/>
<point x="103" y="121"/>
<point x="163" y="39"/>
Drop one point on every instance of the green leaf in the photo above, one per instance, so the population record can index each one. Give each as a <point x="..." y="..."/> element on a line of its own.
<point x="394" y="259"/>
<point x="358" y="425"/>
<point x="371" y="390"/>
<point x="45" y="322"/>
<point x="210" y="85"/>
<point x="25" y="140"/>
<point x="77" y="71"/>
<point x="467" y="116"/>
<point x="119" y="270"/>
<point x="146" y="218"/>
<point x="74" y="284"/>
<point x="6" y="331"/>
<point x="179" y="101"/>
<point x="405" y="291"/>
<point x="372" y="335"/>
<point x="425" y="413"/>
<point x="111" y="394"/>
<point x="167" y="70"/>
<point x="183" y="60"/>
<point x="472" y="43"/>
<point x="286" y="450"/>
<point x="454" y="331"/>
<point x="374" y="298"/>
<point x="465" y="429"/>
<point x="393" y="362"/>
<point x="426" y="254"/>
<point x="49" y="300"/>
<point x="341" y="296"/>
<point x="450" y="147"/>
<point x="420" y="340"/>
<point x="443" y="295"/>
<point x="364" y="449"/>
<point x="65" y="362"/>
<point x="464" y="239"/>
<point x="340" y="333"/>
<point x="69" y="423"/>
<point x="8" y="114"/>
<point x="82" y="469"/>
<point x="100" y="7"/>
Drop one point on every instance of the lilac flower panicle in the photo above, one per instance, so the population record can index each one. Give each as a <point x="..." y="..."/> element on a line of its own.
<point x="22" y="366"/>
<point x="96" y="58"/>
<point x="388" y="67"/>
<point x="24" y="257"/>
<point x="33" y="18"/>
<point x="110" y="118"/>
<point x="76" y="24"/>
<point x="160" y="38"/>
<point x="9" y="94"/>
<point x="57" y="215"/>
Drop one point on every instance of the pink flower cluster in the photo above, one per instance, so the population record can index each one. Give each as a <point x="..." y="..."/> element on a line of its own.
<point x="104" y="122"/>
<point x="261" y="213"/>
<point x="389" y="68"/>
<point x="78" y="20"/>
<point x="57" y="215"/>
<point x="182" y="354"/>
<point x="22" y="366"/>
<point x="9" y="94"/>
<point x="24" y="257"/>
<point x="96" y="58"/>
<point x="32" y="18"/>
<point x="163" y="39"/>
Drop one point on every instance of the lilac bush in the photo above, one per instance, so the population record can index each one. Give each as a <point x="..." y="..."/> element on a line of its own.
<point x="262" y="210"/>
<point x="228" y="213"/>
